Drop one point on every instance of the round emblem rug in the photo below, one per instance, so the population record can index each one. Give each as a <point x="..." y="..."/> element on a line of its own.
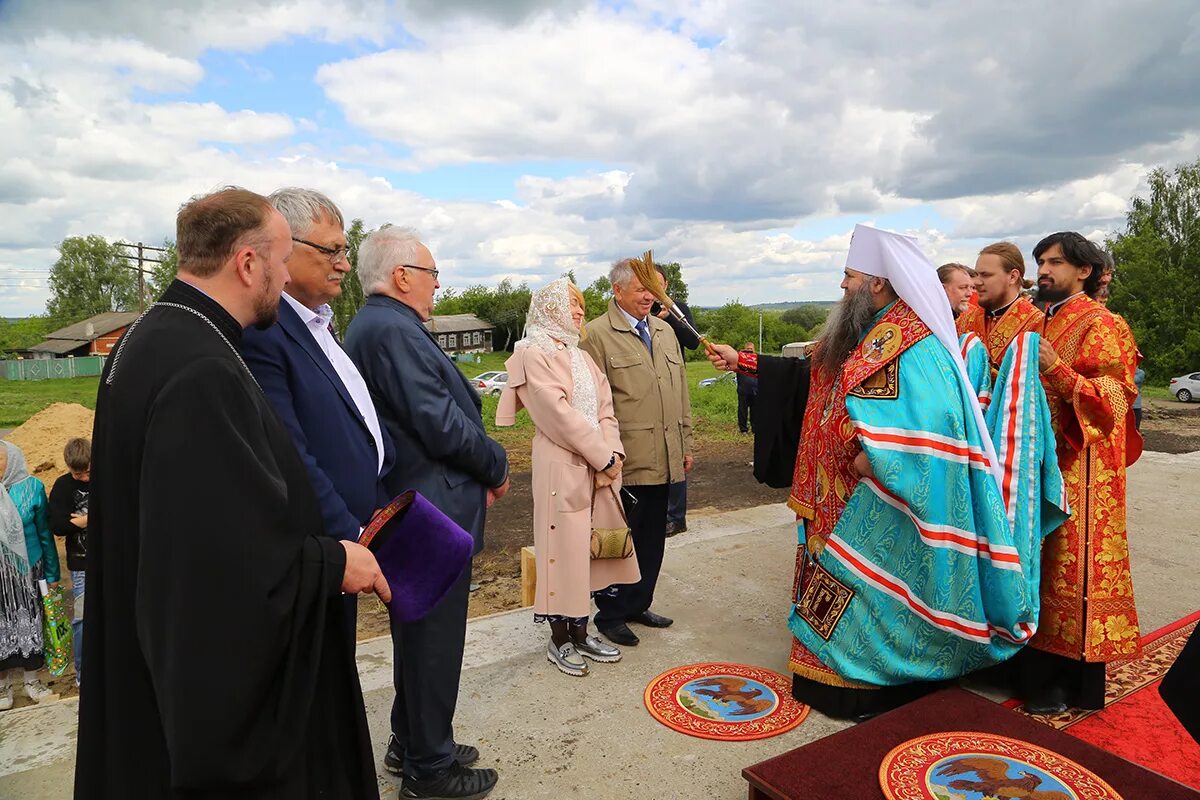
<point x="734" y="702"/>
<point x="966" y="765"/>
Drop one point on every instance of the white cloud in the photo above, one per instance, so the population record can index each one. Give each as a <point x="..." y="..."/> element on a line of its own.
<point x="189" y="28"/>
<point x="709" y="130"/>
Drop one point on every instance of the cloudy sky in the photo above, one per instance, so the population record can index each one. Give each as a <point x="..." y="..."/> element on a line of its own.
<point x="525" y="138"/>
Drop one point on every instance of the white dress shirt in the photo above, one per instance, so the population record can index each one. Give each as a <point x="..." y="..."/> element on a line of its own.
<point x="317" y="323"/>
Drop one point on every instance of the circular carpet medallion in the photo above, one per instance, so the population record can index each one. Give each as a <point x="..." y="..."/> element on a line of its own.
<point x="734" y="702"/>
<point x="965" y="765"/>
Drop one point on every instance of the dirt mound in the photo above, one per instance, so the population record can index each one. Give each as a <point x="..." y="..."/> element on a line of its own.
<point x="43" y="435"/>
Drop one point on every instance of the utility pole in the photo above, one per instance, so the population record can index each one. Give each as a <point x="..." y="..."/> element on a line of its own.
<point x="760" y="332"/>
<point x="142" y="260"/>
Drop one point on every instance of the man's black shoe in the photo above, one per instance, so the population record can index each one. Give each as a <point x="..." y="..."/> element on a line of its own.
<point x="676" y="528"/>
<point x="393" y="760"/>
<point x="1047" y="703"/>
<point x="620" y="634"/>
<point x="652" y="620"/>
<point x="455" y="783"/>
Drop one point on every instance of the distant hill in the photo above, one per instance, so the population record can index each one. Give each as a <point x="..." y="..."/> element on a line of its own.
<point x="793" y="304"/>
<point x="781" y="307"/>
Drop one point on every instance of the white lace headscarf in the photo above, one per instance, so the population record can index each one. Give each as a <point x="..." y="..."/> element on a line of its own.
<point x="548" y="325"/>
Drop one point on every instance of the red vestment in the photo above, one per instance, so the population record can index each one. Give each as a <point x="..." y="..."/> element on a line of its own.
<point x="1088" y="611"/>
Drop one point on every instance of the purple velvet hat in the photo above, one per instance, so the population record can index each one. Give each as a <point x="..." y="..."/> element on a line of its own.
<point x="421" y="552"/>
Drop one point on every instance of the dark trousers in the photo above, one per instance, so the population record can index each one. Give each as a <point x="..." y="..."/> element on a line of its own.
<point x="428" y="658"/>
<point x="648" y="522"/>
<point x="677" y="502"/>
<point x="1137" y="418"/>
<point x="745" y="412"/>
<point x="1038" y="672"/>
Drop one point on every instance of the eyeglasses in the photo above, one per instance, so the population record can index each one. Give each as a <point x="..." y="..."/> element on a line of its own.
<point x="334" y="254"/>
<point x="432" y="272"/>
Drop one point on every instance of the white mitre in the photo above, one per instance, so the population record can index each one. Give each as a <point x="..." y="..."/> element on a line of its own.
<point x="899" y="259"/>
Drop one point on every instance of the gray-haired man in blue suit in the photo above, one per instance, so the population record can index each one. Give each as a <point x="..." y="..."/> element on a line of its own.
<point x="433" y="416"/>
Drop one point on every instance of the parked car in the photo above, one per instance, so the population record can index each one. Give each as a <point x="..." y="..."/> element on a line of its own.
<point x="1185" y="387"/>
<point x="492" y="383"/>
<point x="710" y="382"/>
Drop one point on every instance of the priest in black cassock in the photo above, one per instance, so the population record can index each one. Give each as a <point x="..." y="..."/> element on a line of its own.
<point x="217" y="665"/>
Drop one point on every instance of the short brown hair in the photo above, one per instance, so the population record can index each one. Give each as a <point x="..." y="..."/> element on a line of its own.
<point x="210" y="228"/>
<point x="946" y="270"/>
<point x="1010" y="256"/>
<point x="78" y="454"/>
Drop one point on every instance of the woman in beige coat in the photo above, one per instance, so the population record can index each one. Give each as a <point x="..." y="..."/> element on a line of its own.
<point x="577" y="459"/>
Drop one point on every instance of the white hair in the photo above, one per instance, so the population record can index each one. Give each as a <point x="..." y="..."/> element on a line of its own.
<point x="621" y="273"/>
<point x="302" y="208"/>
<point x="382" y="251"/>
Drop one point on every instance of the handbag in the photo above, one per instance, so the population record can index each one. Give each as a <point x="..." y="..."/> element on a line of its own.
<point x="56" y="629"/>
<point x="611" y="542"/>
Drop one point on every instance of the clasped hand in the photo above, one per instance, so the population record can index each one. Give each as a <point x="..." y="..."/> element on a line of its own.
<point x="605" y="477"/>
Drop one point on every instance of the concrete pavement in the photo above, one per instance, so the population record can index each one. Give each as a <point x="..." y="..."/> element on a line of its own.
<point x="725" y="582"/>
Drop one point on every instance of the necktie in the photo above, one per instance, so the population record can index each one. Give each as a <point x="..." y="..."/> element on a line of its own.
<point x="643" y="329"/>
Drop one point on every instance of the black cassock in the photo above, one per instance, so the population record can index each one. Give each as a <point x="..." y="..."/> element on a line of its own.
<point x="778" y="412"/>
<point x="216" y="660"/>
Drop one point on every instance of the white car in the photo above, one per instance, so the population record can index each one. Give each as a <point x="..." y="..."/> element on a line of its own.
<point x="1186" y="387"/>
<point x="492" y="383"/>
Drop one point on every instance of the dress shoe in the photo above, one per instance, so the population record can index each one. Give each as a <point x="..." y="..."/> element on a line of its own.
<point x="393" y="760"/>
<point x="620" y="634"/>
<point x="675" y="528"/>
<point x="652" y="620"/>
<point x="596" y="650"/>
<point x="567" y="659"/>
<point x="1047" y="703"/>
<point x="454" y="783"/>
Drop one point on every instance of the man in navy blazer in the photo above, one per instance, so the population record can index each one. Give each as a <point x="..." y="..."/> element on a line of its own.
<point x="434" y="416"/>
<point x="311" y="382"/>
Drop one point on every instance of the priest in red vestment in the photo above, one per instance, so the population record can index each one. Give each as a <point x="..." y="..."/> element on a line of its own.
<point x="1087" y="366"/>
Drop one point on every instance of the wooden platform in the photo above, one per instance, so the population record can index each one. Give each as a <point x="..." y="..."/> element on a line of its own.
<point x="846" y="764"/>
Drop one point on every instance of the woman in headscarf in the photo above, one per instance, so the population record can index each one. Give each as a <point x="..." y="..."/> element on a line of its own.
<point x="27" y="556"/>
<point x="577" y="459"/>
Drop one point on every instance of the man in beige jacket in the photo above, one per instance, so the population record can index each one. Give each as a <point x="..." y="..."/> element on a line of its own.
<point x="640" y="355"/>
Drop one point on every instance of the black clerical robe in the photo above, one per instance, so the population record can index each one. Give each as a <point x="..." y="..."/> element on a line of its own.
<point x="216" y="664"/>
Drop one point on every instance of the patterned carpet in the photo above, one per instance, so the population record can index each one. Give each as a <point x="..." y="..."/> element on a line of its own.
<point x="1135" y="723"/>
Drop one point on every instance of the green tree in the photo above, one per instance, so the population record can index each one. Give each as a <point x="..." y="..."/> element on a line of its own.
<point x="21" y="334"/>
<point x="596" y="297"/>
<point x="89" y="278"/>
<point x="677" y="288"/>
<point x="1157" y="283"/>
<point x="164" y="272"/>
<point x="347" y="304"/>
<point x="806" y="317"/>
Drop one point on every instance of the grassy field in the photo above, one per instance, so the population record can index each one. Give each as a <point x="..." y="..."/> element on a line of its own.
<point x="20" y="400"/>
<point x="714" y="410"/>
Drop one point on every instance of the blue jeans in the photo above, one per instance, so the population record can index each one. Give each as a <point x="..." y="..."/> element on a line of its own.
<point x="78" y="583"/>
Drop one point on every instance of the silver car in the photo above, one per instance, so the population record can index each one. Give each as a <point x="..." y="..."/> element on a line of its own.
<point x="492" y="383"/>
<point x="1185" y="387"/>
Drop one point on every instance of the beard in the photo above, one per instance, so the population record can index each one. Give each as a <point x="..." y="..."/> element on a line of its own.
<point x="1051" y="293"/>
<point x="844" y="329"/>
<point x="266" y="304"/>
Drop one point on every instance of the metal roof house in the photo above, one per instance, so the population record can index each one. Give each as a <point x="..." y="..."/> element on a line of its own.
<point x="461" y="333"/>
<point x="94" y="336"/>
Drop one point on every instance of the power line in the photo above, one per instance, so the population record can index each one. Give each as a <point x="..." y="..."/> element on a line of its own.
<point x="141" y="259"/>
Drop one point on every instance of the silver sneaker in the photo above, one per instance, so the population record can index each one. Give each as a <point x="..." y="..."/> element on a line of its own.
<point x="597" y="649"/>
<point x="567" y="659"/>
